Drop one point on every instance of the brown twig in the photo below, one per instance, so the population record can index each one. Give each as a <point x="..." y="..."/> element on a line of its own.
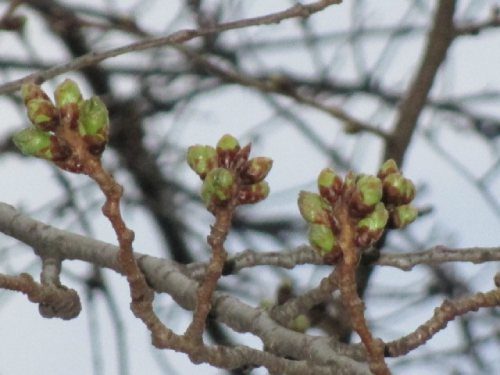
<point x="54" y="300"/>
<point x="346" y="275"/>
<point x="449" y="310"/>
<point x="218" y="234"/>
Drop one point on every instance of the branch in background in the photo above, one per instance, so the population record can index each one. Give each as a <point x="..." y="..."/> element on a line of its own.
<point x="179" y="37"/>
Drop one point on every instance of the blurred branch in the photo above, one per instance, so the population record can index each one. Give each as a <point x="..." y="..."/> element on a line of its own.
<point x="181" y="36"/>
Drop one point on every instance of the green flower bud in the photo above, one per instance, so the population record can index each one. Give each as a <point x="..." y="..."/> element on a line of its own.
<point x="322" y="239"/>
<point x="30" y="91"/>
<point x="329" y="185"/>
<point x="254" y="193"/>
<point x="370" y="228"/>
<point x="42" y="114"/>
<point x="376" y="220"/>
<point x="67" y="92"/>
<point x="301" y="323"/>
<point x="218" y="186"/>
<point x="398" y="190"/>
<point x="313" y="208"/>
<point x="370" y="188"/>
<point x="388" y="168"/>
<point x="202" y="159"/>
<point x="94" y="120"/>
<point x="403" y="215"/>
<point x="228" y="143"/>
<point x="34" y="142"/>
<point x="256" y="169"/>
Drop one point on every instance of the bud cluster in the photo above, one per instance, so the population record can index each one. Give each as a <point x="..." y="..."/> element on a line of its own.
<point x="372" y="203"/>
<point x="87" y="119"/>
<point x="228" y="173"/>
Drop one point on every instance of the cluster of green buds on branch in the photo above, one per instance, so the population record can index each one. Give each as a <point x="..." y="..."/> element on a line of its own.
<point x="228" y="174"/>
<point x="63" y="131"/>
<point x="372" y="204"/>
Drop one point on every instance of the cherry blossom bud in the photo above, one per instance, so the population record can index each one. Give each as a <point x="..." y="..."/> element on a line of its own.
<point x="322" y="239"/>
<point x="403" y="215"/>
<point x="329" y="185"/>
<point x="227" y="148"/>
<point x="34" y="142"/>
<point x="371" y="227"/>
<point x="202" y="159"/>
<point x="67" y="92"/>
<point x="313" y="208"/>
<point x="43" y="114"/>
<point x="256" y="169"/>
<point x="398" y="190"/>
<point x="388" y="168"/>
<point x="254" y="193"/>
<point x="218" y="186"/>
<point x="30" y="91"/>
<point x="366" y="195"/>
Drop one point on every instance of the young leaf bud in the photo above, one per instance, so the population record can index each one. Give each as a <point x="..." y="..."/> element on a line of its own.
<point x="256" y="169"/>
<point x="202" y="159"/>
<point x="370" y="228"/>
<point x="30" y="91"/>
<point x="34" y="142"/>
<point x="329" y="185"/>
<point x="313" y="208"/>
<point x="387" y="168"/>
<point x="249" y="194"/>
<point x="67" y="92"/>
<point x="218" y="186"/>
<point x="403" y="215"/>
<point x="322" y="239"/>
<point x="398" y="190"/>
<point x="42" y="114"/>
<point x="94" y="120"/>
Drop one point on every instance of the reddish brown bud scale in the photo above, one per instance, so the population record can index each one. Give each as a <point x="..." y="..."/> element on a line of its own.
<point x="30" y="91"/>
<point x="250" y="194"/>
<point x="43" y="114"/>
<point x="255" y="170"/>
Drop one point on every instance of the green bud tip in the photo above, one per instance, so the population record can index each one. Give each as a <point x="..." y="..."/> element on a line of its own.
<point x="376" y="220"/>
<point x="67" y="92"/>
<point x="387" y="168"/>
<point x="228" y="143"/>
<point x="322" y="238"/>
<point x="313" y="208"/>
<point x="256" y="169"/>
<point x="370" y="188"/>
<point x="42" y="113"/>
<point x="94" y="119"/>
<point x="202" y="159"/>
<point x="398" y="189"/>
<point x="34" y="142"/>
<point x="218" y="186"/>
<point x="301" y="323"/>
<point x="403" y="215"/>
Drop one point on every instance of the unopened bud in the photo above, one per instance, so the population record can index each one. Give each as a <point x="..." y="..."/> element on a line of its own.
<point x="398" y="190"/>
<point x="371" y="227"/>
<point x="30" y="91"/>
<point x="218" y="186"/>
<point x="388" y="168"/>
<point x="202" y="159"/>
<point x="322" y="239"/>
<point x="94" y="120"/>
<point x="34" y="142"/>
<point x="329" y="185"/>
<point x="313" y="208"/>
<point x="42" y="114"/>
<point x="256" y="169"/>
<point x="403" y="215"/>
<point x="227" y="148"/>
<point x="67" y="92"/>
<point x="249" y="194"/>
